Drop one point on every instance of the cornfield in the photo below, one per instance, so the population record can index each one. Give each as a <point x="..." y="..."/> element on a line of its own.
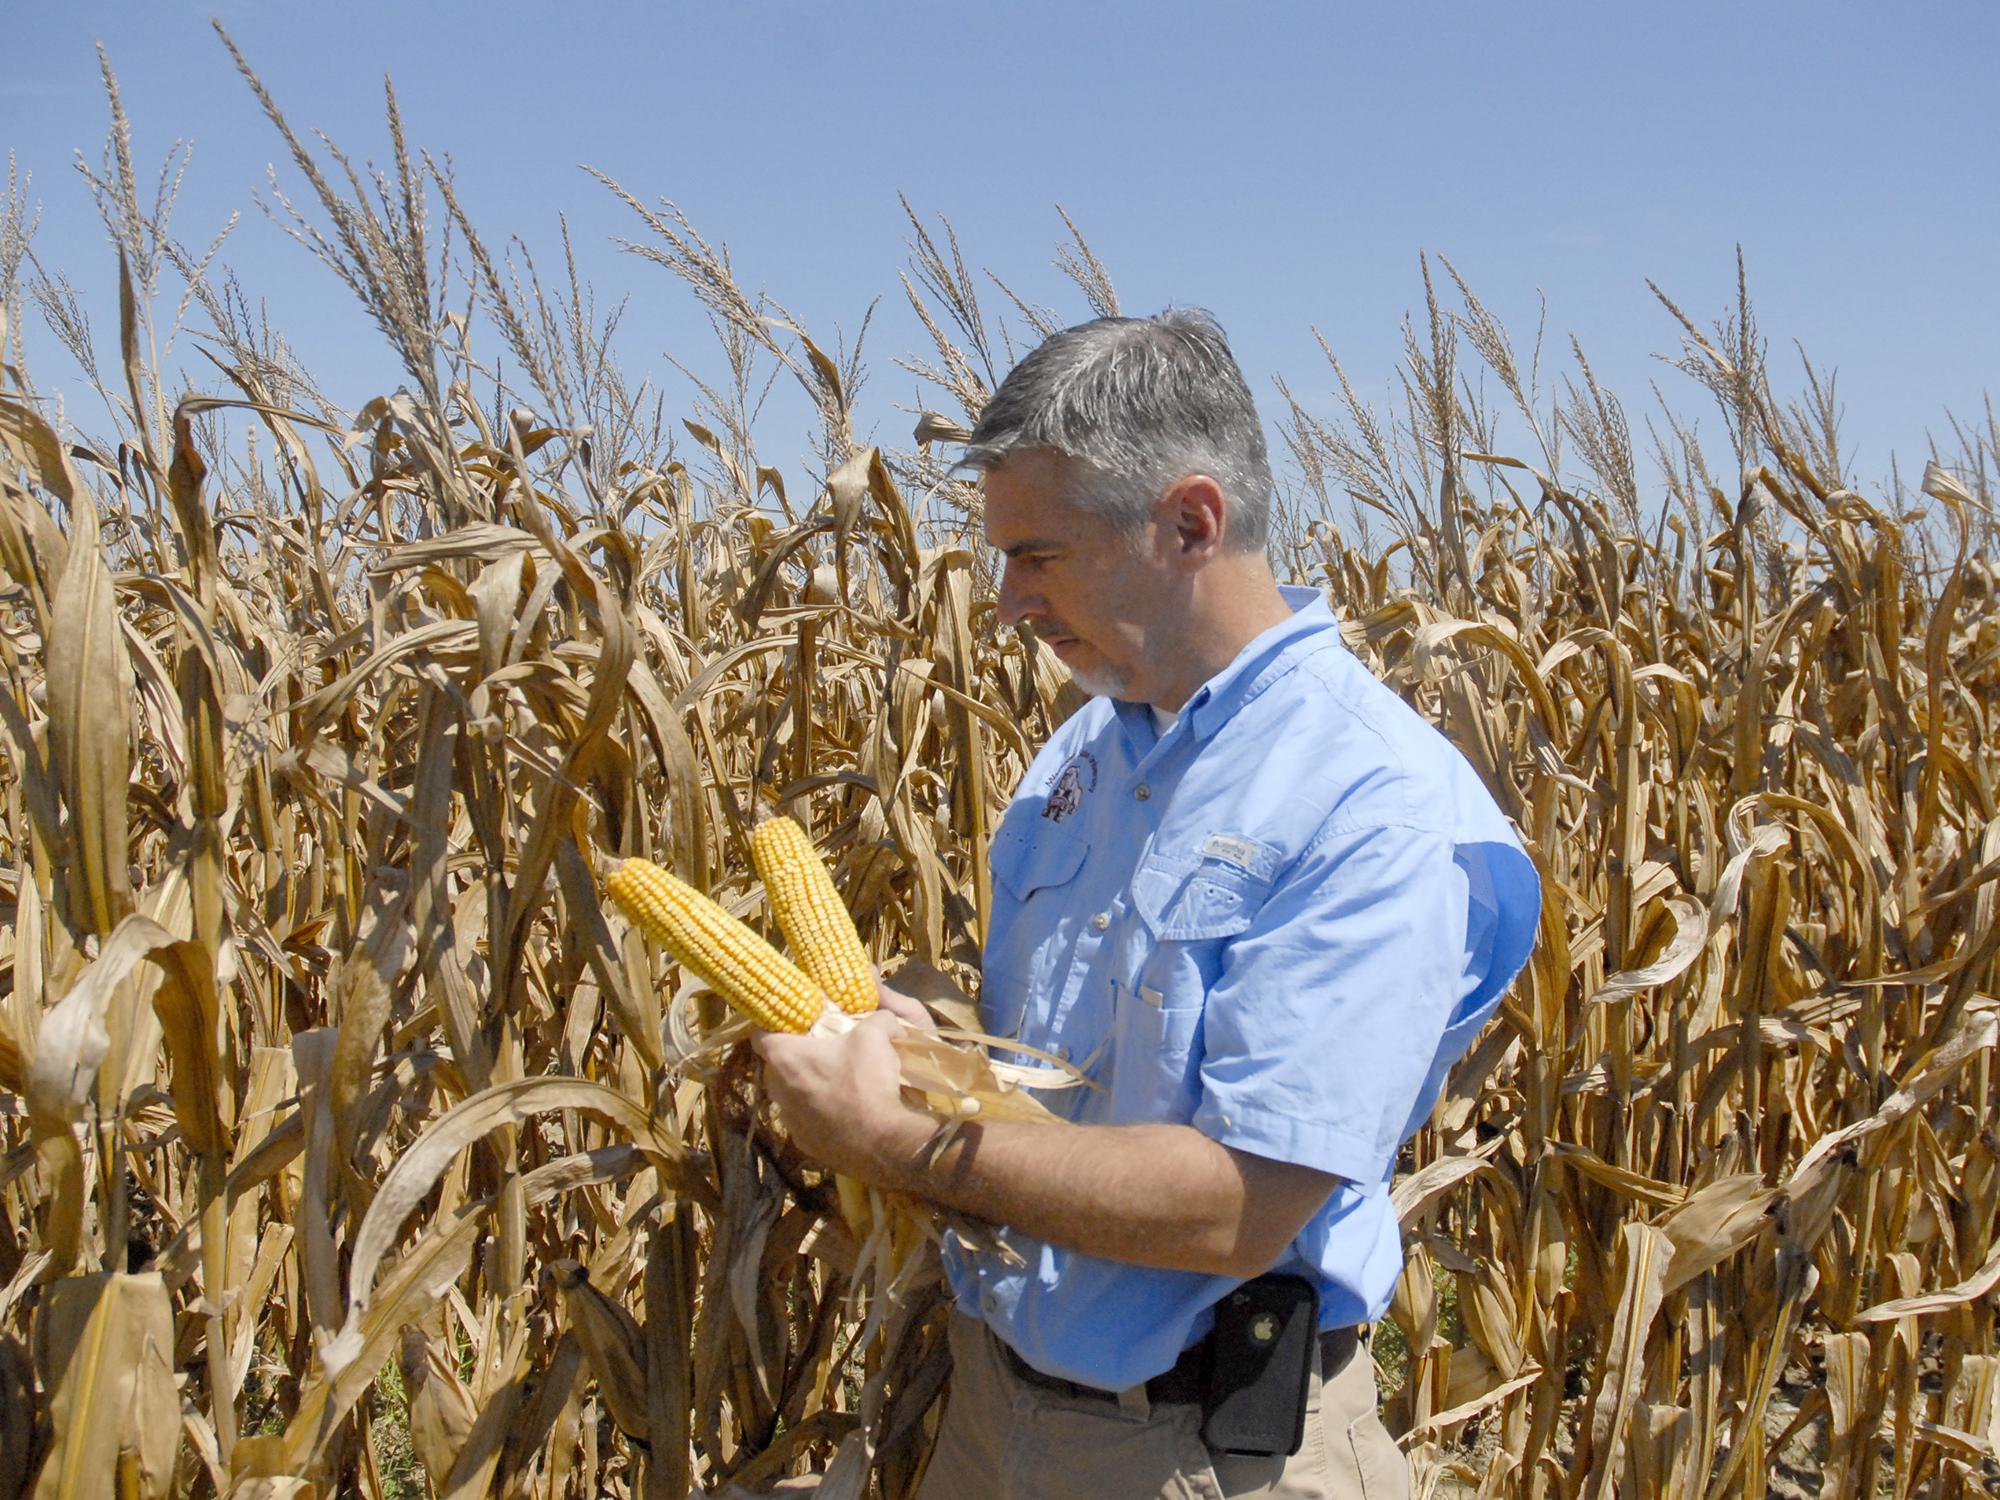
<point x="354" y="1144"/>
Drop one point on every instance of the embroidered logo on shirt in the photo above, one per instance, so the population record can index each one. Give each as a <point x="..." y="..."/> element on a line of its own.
<point x="1238" y="852"/>
<point x="1077" y="777"/>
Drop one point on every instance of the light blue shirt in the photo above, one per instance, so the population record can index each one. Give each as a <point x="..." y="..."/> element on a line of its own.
<point x="1279" y="920"/>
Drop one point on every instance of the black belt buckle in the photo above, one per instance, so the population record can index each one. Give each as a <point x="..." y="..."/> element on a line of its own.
<point x="1260" y="1367"/>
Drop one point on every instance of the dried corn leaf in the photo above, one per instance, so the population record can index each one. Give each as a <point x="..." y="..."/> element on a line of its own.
<point x="106" y="1356"/>
<point x="1647" y="1254"/>
<point x="1975" y="1286"/>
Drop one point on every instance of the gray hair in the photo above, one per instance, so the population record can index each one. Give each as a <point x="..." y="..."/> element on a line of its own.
<point x="1140" y="402"/>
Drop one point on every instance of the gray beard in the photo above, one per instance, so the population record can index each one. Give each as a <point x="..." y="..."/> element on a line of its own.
<point x="1101" y="682"/>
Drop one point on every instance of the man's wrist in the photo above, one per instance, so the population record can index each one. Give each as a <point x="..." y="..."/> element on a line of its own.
<point x="901" y="1149"/>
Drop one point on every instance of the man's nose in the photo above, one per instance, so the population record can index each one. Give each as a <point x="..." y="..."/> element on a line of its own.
<point x="1015" y="603"/>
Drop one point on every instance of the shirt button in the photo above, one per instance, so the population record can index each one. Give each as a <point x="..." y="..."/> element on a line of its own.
<point x="1142" y="791"/>
<point x="1101" y="921"/>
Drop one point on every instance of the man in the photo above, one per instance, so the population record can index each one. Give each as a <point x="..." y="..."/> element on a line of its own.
<point x="1252" y="894"/>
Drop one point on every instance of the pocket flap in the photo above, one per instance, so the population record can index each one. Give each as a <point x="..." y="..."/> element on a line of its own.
<point x="1027" y="859"/>
<point x="1190" y="900"/>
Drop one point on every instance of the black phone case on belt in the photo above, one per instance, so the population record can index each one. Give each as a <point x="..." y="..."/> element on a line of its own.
<point x="1260" y="1367"/>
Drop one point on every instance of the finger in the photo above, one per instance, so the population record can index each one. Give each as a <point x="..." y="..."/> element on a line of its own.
<point x="771" y="1045"/>
<point x="887" y="1022"/>
<point x="908" y="1008"/>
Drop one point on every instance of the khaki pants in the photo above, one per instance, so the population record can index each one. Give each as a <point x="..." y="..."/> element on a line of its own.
<point x="1004" y="1439"/>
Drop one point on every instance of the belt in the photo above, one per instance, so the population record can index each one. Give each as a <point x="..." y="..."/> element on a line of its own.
<point x="1183" y="1383"/>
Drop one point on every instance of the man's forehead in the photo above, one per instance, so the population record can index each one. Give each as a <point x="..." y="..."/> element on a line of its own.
<point x="1029" y="503"/>
<point x="1012" y="530"/>
<point x="1013" y="544"/>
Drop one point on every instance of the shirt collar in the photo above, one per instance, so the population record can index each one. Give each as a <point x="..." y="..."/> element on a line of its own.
<point x="1259" y="664"/>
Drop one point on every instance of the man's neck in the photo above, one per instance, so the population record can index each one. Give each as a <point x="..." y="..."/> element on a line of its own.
<point x="1234" y="603"/>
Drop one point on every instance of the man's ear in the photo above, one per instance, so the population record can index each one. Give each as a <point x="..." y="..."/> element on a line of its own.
<point x="1198" y="513"/>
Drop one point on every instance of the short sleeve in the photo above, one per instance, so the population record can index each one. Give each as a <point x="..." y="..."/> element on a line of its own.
<point x="1363" y="977"/>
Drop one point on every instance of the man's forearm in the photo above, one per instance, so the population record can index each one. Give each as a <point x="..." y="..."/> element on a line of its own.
<point x="1156" y="1195"/>
<point x="1159" y="1195"/>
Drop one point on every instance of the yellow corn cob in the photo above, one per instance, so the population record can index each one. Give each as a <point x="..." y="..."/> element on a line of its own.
<point x="744" y="969"/>
<point x="811" y="914"/>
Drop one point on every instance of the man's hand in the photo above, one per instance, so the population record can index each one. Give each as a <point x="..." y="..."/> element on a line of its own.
<point x="907" y="1007"/>
<point x="841" y="1097"/>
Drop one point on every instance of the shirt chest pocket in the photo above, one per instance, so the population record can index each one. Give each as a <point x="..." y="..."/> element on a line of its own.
<point x="1029" y="860"/>
<point x="1188" y="906"/>
<point x="1033" y="869"/>
<point x="1183" y="899"/>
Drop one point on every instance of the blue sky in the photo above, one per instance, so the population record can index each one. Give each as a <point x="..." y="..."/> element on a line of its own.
<point x="1283" y="165"/>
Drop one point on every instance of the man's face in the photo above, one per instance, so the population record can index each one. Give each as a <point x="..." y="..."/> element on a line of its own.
<point x="1103" y="601"/>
